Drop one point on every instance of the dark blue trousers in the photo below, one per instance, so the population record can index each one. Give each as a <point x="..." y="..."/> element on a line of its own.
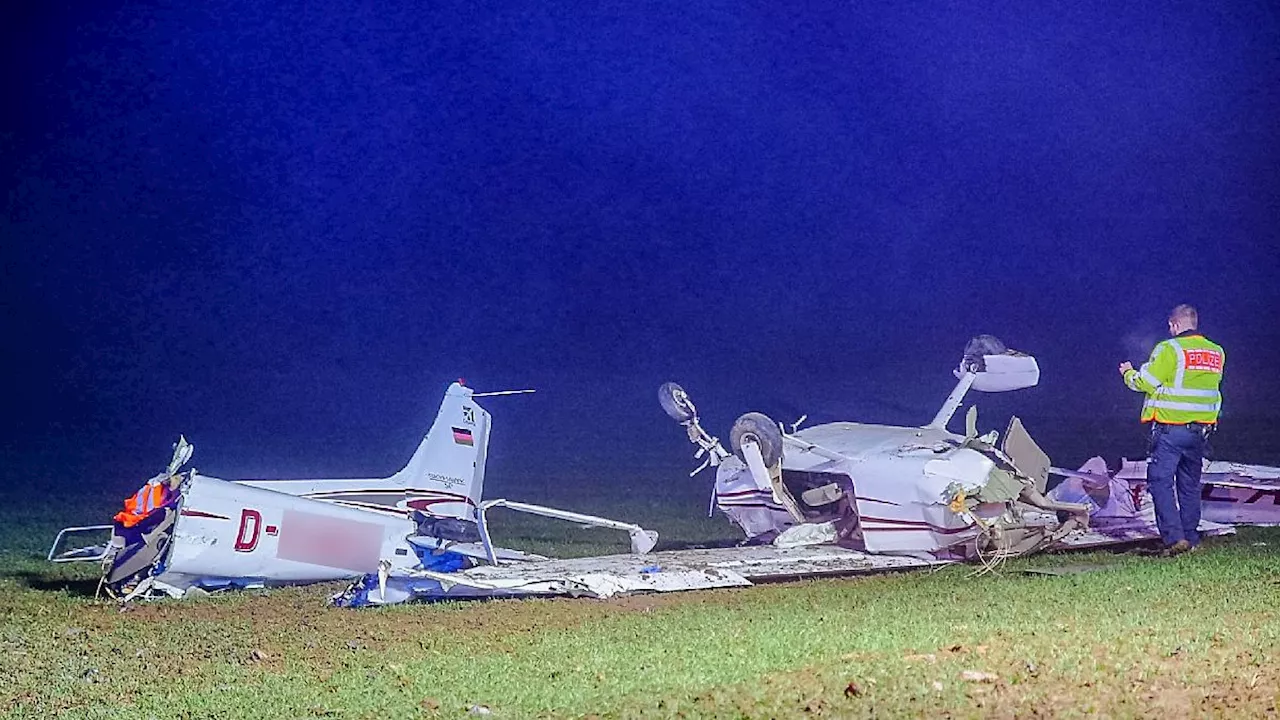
<point x="1173" y="477"/>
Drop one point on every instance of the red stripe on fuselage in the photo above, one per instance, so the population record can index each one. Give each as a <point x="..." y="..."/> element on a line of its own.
<point x="202" y="514"/>
<point x="908" y="525"/>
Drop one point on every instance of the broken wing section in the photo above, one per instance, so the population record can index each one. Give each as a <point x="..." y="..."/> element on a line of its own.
<point x="1231" y="492"/>
<point x="1241" y="494"/>
<point x="610" y="575"/>
<point x="1120" y="512"/>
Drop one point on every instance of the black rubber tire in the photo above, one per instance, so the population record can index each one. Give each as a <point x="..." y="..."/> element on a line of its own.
<point x="675" y="402"/>
<point x="978" y="348"/>
<point x="764" y="431"/>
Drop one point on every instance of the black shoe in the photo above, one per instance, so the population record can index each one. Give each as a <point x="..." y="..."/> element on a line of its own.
<point x="1176" y="549"/>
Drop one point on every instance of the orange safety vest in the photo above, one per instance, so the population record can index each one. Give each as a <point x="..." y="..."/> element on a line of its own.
<point x="141" y="504"/>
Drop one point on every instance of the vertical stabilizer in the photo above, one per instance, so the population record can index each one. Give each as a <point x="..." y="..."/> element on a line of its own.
<point x="445" y="476"/>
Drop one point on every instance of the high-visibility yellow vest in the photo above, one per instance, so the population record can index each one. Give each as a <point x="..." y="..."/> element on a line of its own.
<point x="1181" y="381"/>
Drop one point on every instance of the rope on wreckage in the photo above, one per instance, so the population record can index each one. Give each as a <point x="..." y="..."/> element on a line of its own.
<point x="986" y="533"/>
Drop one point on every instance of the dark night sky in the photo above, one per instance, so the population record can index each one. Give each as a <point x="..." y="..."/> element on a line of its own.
<point x="283" y="230"/>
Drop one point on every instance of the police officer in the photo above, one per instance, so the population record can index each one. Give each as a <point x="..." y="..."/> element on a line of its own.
<point x="1181" y="381"/>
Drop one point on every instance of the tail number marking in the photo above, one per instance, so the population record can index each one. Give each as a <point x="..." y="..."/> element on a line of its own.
<point x="250" y="528"/>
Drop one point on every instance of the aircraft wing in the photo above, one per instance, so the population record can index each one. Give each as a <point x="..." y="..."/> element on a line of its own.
<point x="1241" y="498"/>
<point x="606" y="576"/>
<point x="1127" y="530"/>
<point x="1095" y="478"/>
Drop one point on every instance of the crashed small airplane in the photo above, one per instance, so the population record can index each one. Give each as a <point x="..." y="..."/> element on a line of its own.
<point x="184" y="531"/>
<point x="836" y="499"/>
<point x="841" y="498"/>
<point x="921" y="492"/>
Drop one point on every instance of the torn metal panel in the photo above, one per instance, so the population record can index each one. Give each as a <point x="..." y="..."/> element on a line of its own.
<point x="1025" y="453"/>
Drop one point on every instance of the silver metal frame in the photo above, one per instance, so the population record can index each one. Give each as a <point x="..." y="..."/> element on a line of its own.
<point x="642" y="541"/>
<point x="57" y="557"/>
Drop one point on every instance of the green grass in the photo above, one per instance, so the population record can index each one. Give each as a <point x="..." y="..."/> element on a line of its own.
<point x="1194" y="636"/>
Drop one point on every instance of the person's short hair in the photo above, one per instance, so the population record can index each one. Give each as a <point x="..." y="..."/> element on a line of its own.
<point x="1185" y="312"/>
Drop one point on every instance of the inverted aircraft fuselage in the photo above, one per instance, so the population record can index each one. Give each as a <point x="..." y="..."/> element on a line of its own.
<point x="921" y="491"/>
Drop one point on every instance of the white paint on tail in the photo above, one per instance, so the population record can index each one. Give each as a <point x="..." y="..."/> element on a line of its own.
<point x="444" y="477"/>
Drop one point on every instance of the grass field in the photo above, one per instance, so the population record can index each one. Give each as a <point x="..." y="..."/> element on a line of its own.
<point x="1132" y="636"/>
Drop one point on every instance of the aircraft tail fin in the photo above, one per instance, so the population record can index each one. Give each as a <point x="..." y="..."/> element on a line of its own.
<point x="445" y="476"/>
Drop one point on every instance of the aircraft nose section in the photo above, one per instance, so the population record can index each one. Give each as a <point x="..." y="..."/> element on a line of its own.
<point x="968" y="469"/>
